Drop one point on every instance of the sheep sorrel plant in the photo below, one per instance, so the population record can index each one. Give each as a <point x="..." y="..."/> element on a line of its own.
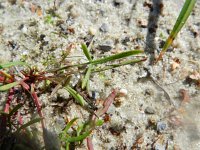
<point x="22" y="84"/>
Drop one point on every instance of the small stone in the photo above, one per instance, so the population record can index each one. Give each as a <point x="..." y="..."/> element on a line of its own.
<point x="158" y="146"/>
<point x="142" y="23"/>
<point x="92" y="31"/>
<point x="117" y="3"/>
<point x="104" y="28"/>
<point x="107" y="46"/>
<point x="123" y="92"/>
<point x="125" y="40"/>
<point x="149" y="110"/>
<point x="62" y="93"/>
<point x="74" y="12"/>
<point x="161" y="126"/>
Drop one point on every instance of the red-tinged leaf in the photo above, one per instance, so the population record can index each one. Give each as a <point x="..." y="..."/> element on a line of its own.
<point x="89" y="144"/>
<point x="37" y="103"/>
<point x="10" y="97"/>
<point x="109" y="100"/>
<point x="24" y="85"/>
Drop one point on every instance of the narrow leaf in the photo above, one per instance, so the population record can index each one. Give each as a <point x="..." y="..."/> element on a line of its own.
<point x="76" y="96"/>
<point x="182" y="18"/>
<point x="10" y="64"/>
<point x="15" y="109"/>
<point x="99" y="122"/>
<point x="29" y="123"/>
<point x="86" y="77"/>
<point x="79" y="138"/>
<point x="8" y="86"/>
<point x="86" y="52"/>
<point x="120" y="64"/>
<point x="69" y="124"/>
<point x="116" y="56"/>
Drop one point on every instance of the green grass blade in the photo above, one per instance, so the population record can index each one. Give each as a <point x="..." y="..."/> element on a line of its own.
<point x="76" y="96"/>
<point x="116" y="56"/>
<point x="28" y="124"/>
<point x="10" y="64"/>
<point x="86" y="77"/>
<point x="79" y="129"/>
<point x="15" y="109"/>
<point x="102" y="60"/>
<point x="118" y="65"/>
<point x="99" y="122"/>
<point x="8" y="86"/>
<point x="69" y="124"/>
<point x="79" y="138"/>
<point x="182" y="18"/>
<point x="86" y="52"/>
<point x="67" y="146"/>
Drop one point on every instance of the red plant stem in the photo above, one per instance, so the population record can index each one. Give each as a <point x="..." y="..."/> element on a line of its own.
<point x="109" y="100"/>
<point x="37" y="103"/>
<point x="89" y="144"/>
<point x="10" y="97"/>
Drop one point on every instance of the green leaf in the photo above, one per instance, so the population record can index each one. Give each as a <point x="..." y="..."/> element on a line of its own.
<point x="79" y="138"/>
<point x="182" y="18"/>
<point x="69" y="124"/>
<point x="79" y="129"/>
<point x="76" y="96"/>
<point x="116" y="56"/>
<point x="29" y="123"/>
<point x="86" y="77"/>
<point x="120" y="64"/>
<point x="15" y="109"/>
<point x="8" y="86"/>
<point x="86" y="52"/>
<point x="67" y="146"/>
<point x="10" y="64"/>
<point x="99" y="122"/>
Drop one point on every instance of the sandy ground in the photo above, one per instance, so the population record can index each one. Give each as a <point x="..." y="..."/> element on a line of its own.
<point x="154" y="113"/>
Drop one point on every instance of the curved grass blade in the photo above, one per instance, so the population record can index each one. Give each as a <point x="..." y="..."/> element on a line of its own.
<point x="8" y="86"/>
<point x="28" y="124"/>
<point x="182" y="18"/>
<point x="76" y="96"/>
<point x="116" y="56"/>
<point x="10" y="64"/>
<point x="69" y="124"/>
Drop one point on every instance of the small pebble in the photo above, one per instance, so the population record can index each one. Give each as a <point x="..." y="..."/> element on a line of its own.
<point x="123" y="92"/>
<point x="104" y="28"/>
<point x="64" y="94"/>
<point x="107" y="46"/>
<point x="92" y="31"/>
<point x="74" y="12"/>
<point x="117" y="3"/>
<point x="161" y="126"/>
<point x="159" y="147"/>
<point x="149" y="110"/>
<point x="125" y="40"/>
